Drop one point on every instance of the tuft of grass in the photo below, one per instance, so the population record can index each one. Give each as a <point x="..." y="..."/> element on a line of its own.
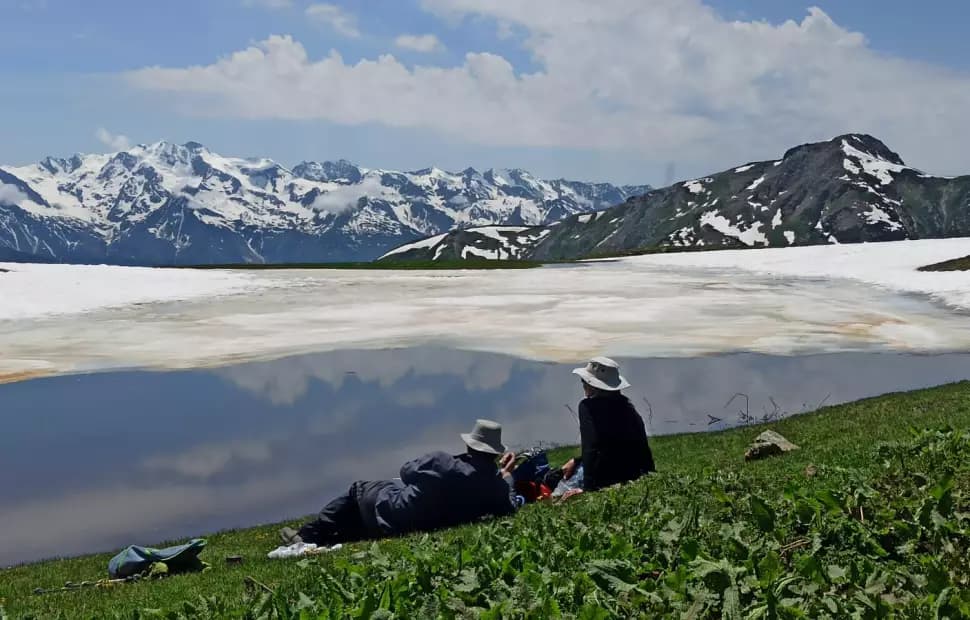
<point x="870" y="518"/>
<point x="957" y="264"/>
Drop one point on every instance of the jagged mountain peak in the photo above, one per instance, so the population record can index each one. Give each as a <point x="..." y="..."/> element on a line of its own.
<point x="164" y="203"/>
<point x="340" y="170"/>
<point x="862" y="142"/>
<point x="56" y="165"/>
<point x="167" y="153"/>
<point x="869" y="145"/>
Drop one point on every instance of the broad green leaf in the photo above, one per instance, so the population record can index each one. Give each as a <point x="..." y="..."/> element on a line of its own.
<point x="835" y="572"/>
<point x="770" y="568"/>
<point x="764" y="516"/>
<point x="831" y="499"/>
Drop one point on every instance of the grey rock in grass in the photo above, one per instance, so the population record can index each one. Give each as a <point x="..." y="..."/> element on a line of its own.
<point x="768" y="443"/>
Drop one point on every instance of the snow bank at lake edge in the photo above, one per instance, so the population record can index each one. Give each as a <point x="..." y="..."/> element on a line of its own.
<point x="29" y="290"/>
<point x="889" y="265"/>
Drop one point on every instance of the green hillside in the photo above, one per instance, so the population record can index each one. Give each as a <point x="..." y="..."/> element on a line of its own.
<point x="869" y="519"/>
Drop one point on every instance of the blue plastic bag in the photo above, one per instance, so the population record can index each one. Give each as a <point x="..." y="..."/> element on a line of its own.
<point x="533" y="468"/>
<point x="134" y="559"/>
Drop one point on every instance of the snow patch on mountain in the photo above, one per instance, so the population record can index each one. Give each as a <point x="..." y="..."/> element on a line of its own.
<point x="776" y="220"/>
<point x="875" y="215"/>
<point x="873" y="165"/>
<point x="694" y="187"/>
<point x="748" y="236"/>
<point x="756" y="183"/>
<point x="487" y="242"/>
<point x="586" y="218"/>
<point x="430" y="242"/>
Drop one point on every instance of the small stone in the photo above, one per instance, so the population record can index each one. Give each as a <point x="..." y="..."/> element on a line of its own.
<point x="768" y="443"/>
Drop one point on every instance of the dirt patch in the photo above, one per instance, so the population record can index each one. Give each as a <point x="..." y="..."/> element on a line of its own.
<point x="957" y="264"/>
<point x="13" y="377"/>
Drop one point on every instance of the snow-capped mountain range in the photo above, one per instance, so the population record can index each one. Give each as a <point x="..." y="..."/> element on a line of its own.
<point x="170" y="204"/>
<point x="847" y="190"/>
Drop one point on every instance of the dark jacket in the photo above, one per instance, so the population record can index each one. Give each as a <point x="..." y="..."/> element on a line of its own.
<point x="614" y="441"/>
<point x="440" y="490"/>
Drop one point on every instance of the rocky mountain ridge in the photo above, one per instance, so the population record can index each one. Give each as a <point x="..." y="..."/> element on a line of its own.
<point x="850" y="189"/>
<point x="170" y="204"/>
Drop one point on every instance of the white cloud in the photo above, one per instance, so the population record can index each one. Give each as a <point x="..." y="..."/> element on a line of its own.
<point x="334" y="17"/>
<point x="204" y="461"/>
<point x="11" y="195"/>
<point x="419" y="42"/>
<point x="347" y="196"/>
<point x="677" y="80"/>
<point x="116" y="142"/>
<point x="269" y="4"/>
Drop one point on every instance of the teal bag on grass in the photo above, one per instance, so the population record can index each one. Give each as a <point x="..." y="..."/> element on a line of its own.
<point x="134" y="559"/>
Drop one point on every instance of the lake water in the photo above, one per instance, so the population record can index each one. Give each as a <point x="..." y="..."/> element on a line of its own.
<point x="97" y="461"/>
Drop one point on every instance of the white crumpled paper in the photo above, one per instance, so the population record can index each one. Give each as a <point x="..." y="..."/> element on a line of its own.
<point x="299" y="549"/>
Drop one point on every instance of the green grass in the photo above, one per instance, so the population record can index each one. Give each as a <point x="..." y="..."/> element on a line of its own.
<point x="881" y="527"/>
<point x="957" y="264"/>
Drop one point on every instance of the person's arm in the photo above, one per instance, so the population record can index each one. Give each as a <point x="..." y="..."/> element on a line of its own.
<point x="589" y="445"/>
<point x="569" y="467"/>
<point x="645" y="455"/>
<point x="510" y="503"/>
<point x="505" y="466"/>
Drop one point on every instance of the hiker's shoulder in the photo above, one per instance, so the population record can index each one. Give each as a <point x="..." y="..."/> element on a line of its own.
<point x="609" y="403"/>
<point x="438" y="458"/>
<point x="591" y="405"/>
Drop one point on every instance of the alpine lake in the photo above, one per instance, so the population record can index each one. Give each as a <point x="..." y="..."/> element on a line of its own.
<point x="94" y="462"/>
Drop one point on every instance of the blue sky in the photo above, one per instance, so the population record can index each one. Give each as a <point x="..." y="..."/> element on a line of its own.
<point x="70" y="69"/>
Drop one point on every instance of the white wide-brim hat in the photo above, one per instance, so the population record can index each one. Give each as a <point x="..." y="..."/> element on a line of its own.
<point x="485" y="437"/>
<point x="603" y="374"/>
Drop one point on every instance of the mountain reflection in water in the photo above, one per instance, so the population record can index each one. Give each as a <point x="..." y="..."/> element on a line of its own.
<point x="95" y="462"/>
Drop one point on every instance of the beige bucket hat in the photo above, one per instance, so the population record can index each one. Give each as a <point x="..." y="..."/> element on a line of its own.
<point x="602" y="373"/>
<point x="485" y="437"/>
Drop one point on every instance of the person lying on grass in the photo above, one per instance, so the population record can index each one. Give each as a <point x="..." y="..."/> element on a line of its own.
<point x="435" y="491"/>
<point x="612" y="435"/>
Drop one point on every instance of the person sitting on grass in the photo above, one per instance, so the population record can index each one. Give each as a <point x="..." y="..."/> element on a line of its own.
<point x="435" y="491"/>
<point x="613" y="439"/>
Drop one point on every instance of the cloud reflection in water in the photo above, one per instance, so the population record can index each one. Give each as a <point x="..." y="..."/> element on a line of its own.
<point x="94" y="462"/>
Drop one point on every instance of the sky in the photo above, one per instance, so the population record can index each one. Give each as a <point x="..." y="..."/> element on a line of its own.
<point x="628" y="91"/>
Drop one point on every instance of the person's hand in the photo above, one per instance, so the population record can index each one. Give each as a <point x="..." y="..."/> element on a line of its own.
<point x="569" y="469"/>
<point x="570" y="493"/>
<point x="507" y="463"/>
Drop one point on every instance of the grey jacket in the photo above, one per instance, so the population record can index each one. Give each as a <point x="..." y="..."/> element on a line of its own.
<point x="440" y="490"/>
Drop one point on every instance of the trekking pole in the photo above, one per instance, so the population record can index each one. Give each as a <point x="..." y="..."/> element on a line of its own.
<point x="70" y="585"/>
